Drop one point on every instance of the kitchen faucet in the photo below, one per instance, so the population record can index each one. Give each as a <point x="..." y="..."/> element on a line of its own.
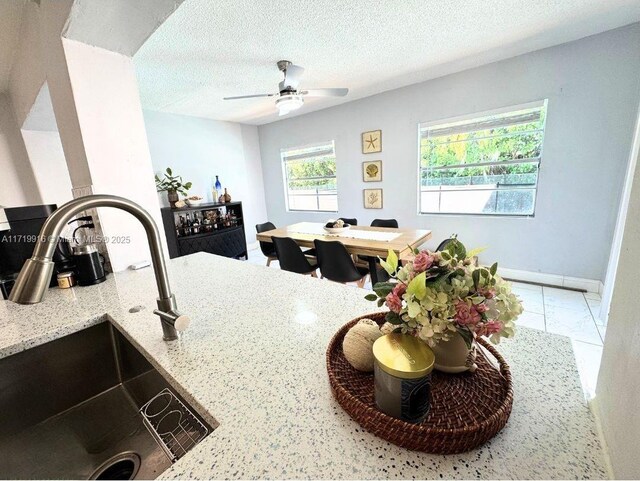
<point x="35" y="275"/>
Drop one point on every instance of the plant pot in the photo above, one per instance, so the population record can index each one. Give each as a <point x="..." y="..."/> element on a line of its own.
<point x="172" y="197"/>
<point x="453" y="356"/>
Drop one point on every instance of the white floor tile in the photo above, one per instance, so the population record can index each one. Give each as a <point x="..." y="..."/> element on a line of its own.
<point x="531" y="300"/>
<point x="576" y="324"/>
<point x="602" y="330"/>
<point x="594" y="307"/>
<point x="588" y="362"/>
<point x="564" y="298"/>
<point x="532" y="320"/>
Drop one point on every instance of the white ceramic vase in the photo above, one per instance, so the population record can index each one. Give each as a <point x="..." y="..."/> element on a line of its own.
<point x="453" y="356"/>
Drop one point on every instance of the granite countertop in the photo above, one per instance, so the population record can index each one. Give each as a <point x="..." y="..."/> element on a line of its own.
<point x="253" y="361"/>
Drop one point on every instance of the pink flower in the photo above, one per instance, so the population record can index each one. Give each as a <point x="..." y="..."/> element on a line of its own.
<point x="481" y="308"/>
<point x="393" y="302"/>
<point x="467" y="314"/>
<point x="400" y="289"/>
<point x="423" y="261"/>
<point x="488" y="293"/>
<point x="488" y="328"/>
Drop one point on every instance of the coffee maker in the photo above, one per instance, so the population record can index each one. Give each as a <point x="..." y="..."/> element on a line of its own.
<point x="89" y="263"/>
<point x="19" y="231"/>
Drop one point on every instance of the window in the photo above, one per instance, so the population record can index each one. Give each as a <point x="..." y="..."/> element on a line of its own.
<point x="310" y="178"/>
<point x="484" y="165"/>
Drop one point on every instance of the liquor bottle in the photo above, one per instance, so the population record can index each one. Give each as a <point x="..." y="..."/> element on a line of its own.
<point x="218" y="185"/>
<point x="195" y="226"/>
<point x="214" y="191"/>
<point x="179" y="231"/>
<point x="187" y="225"/>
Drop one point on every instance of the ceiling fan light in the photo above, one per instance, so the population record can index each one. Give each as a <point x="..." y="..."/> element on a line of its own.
<point x="289" y="103"/>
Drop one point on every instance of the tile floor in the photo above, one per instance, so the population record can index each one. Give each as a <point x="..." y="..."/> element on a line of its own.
<point x="559" y="311"/>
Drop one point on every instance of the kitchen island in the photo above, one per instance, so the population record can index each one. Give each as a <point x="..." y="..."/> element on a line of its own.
<point x="252" y="363"/>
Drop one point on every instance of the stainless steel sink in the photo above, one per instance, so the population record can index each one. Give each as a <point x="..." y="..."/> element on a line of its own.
<point x="70" y="409"/>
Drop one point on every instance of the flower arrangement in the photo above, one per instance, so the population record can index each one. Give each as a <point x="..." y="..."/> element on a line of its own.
<point x="440" y="293"/>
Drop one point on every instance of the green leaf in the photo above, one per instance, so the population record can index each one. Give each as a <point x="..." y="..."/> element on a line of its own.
<point x="445" y="255"/>
<point x="494" y="269"/>
<point x="475" y="252"/>
<point x="188" y="185"/>
<point x="417" y="287"/>
<point x="383" y="288"/>
<point x="380" y="302"/>
<point x="393" y="318"/>
<point x="371" y="297"/>
<point x="413" y="308"/>
<point x="392" y="260"/>
<point x="476" y="278"/>
<point x="169" y="171"/>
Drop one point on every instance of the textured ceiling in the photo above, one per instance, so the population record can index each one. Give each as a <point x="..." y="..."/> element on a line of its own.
<point x="10" y="21"/>
<point x="207" y="50"/>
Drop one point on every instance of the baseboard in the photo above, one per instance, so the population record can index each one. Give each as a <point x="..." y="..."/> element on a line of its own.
<point x="589" y="285"/>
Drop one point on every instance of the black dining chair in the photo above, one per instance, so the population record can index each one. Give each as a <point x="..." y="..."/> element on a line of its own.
<point x="292" y="258"/>
<point x="337" y="265"/>
<point x="391" y="223"/>
<point x="346" y="220"/>
<point x="267" y="248"/>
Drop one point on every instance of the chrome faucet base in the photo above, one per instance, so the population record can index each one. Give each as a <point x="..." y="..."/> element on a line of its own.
<point x="172" y="321"/>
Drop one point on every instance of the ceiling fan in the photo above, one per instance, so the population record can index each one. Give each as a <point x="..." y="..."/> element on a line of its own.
<point x="289" y="97"/>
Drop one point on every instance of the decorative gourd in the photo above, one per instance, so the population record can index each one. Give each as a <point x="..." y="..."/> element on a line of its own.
<point x="357" y="344"/>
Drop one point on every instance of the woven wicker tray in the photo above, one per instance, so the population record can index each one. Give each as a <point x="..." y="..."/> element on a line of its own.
<point x="466" y="410"/>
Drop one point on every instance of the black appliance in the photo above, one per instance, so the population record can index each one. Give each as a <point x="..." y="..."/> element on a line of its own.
<point x="89" y="265"/>
<point x="17" y="243"/>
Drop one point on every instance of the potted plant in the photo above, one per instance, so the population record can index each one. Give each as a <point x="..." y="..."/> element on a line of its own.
<point x="172" y="185"/>
<point x="445" y="300"/>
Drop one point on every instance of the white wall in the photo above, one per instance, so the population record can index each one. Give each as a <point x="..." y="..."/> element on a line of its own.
<point x="107" y="102"/>
<point x="49" y="165"/>
<point x="618" y="388"/>
<point x="593" y="90"/>
<point x="199" y="149"/>
<point x="18" y="185"/>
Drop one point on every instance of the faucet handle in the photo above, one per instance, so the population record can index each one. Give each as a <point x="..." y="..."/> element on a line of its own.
<point x="182" y="322"/>
<point x="178" y="321"/>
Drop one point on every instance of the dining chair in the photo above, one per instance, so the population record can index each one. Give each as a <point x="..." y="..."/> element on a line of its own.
<point x="346" y="220"/>
<point x="292" y="258"/>
<point x="337" y="265"/>
<point x="392" y="223"/>
<point x="267" y="248"/>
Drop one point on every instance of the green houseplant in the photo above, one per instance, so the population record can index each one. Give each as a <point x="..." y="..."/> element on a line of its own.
<point x="172" y="185"/>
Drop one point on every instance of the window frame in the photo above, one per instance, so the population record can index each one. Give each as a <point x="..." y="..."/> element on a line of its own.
<point x="544" y="103"/>
<point x="285" y="176"/>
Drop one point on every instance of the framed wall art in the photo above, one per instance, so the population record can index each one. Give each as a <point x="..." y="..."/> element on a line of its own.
<point x="372" y="171"/>
<point x="372" y="142"/>
<point x="372" y="198"/>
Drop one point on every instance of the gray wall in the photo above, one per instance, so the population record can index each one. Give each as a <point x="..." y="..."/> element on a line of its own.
<point x="593" y="87"/>
<point x="199" y="149"/>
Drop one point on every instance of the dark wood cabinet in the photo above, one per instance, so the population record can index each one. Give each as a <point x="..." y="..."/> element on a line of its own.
<point x="224" y="238"/>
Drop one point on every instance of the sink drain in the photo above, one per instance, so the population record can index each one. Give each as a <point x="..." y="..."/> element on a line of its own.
<point x="121" y="466"/>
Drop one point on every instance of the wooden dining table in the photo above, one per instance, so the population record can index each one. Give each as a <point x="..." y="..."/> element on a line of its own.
<point x="372" y="242"/>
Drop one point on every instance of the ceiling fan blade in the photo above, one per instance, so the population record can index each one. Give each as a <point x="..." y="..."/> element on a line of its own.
<point x="325" y="92"/>
<point x="292" y="76"/>
<point x="248" y="96"/>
